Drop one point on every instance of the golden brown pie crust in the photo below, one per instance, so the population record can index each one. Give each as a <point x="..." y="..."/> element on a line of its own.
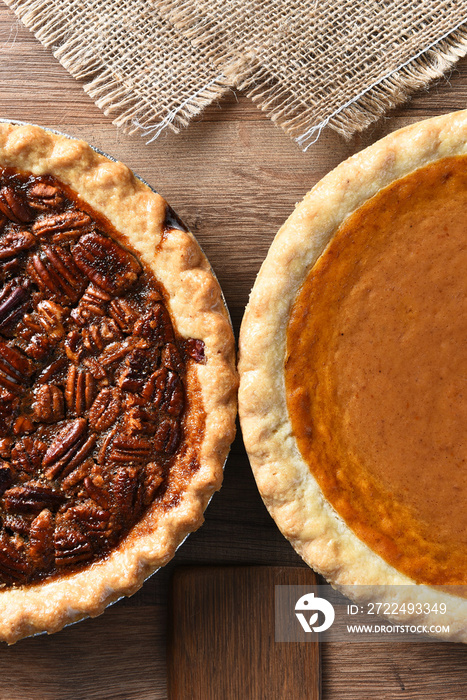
<point x="193" y="298"/>
<point x="309" y="434"/>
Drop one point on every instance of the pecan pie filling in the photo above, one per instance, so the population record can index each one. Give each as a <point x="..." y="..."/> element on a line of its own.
<point x="376" y="372"/>
<point x="93" y="380"/>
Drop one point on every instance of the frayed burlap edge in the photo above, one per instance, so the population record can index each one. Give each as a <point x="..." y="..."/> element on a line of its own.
<point x="291" y="112"/>
<point x="392" y="90"/>
<point x="130" y="111"/>
<point x="298" y="120"/>
<point x="134" y="111"/>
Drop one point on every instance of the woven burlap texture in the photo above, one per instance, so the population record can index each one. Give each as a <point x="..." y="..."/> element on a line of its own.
<point x="153" y="65"/>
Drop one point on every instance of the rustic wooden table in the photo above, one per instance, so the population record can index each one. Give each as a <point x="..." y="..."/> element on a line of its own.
<point x="233" y="178"/>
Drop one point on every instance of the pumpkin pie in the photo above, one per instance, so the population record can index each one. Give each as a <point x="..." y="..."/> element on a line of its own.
<point x="353" y="364"/>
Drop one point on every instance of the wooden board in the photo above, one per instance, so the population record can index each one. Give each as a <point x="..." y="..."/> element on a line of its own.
<point x="221" y="637"/>
<point x="234" y="178"/>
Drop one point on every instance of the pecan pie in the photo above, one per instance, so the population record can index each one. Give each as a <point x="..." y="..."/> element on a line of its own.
<point x="353" y="367"/>
<point x="117" y="381"/>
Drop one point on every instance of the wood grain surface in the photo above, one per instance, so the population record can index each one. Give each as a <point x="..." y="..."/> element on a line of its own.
<point x="221" y="641"/>
<point x="234" y="178"/>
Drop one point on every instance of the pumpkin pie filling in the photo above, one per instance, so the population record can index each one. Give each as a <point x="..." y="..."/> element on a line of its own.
<point x="376" y="372"/>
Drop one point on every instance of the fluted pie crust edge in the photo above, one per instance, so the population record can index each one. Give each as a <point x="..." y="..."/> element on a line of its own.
<point x="197" y="310"/>
<point x="285" y="482"/>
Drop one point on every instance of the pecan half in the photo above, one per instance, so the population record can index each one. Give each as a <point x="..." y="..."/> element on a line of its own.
<point x="71" y="221"/>
<point x="93" y="520"/>
<point x="167" y="436"/>
<point x="55" y="273"/>
<point x="78" y="474"/>
<point x="125" y="490"/>
<point x="106" y="263"/>
<point x="14" y="242"/>
<point x="70" y="447"/>
<point x="14" y="302"/>
<point x="41" y="539"/>
<point x="164" y="389"/>
<point x="105" y="409"/>
<point x="48" y="405"/>
<point x="155" y="326"/>
<point x="14" y="206"/>
<point x="171" y="358"/>
<point x="71" y="546"/>
<point x="116" y="352"/>
<point x="32" y="498"/>
<point x="97" y="494"/>
<point x="130" y="449"/>
<point x="43" y="196"/>
<point x="79" y="391"/>
<point x="14" y="567"/>
<point x="15" y="368"/>
<point x="124" y="314"/>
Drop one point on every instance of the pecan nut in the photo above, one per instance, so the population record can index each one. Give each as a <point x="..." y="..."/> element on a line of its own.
<point x="155" y="326"/>
<point x="71" y="546"/>
<point x="72" y="222"/>
<point x="32" y="498"/>
<point x="51" y="317"/>
<point x="98" y="335"/>
<point x="130" y="449"/>
<point x="79" y="391"/>
<point x="167" y="436"/>
<point x="93" y="303"/>
<point x="164" y="389"/>
<point x="43" y="196"/>
<point x="124" y="314"/>
<point x="14" y="302"/>
<point x="105" y="409"/>
<point x="70" y="448"/>
<point x="55" y="273"/>
<point x="48" y="405"/>
<point x="14" y="567"/>
<point x="14" y="206"/>
<point x="105" y="263"/>
<point x="15" y="368"/>
<point x="14" y="242"/>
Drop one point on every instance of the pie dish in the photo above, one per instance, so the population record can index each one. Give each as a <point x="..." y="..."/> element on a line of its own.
<point x="352" y="373"/>
<point x="117" y="381"/>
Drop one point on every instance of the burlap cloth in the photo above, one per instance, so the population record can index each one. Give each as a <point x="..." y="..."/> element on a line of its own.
<point x="156" y="64"/>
